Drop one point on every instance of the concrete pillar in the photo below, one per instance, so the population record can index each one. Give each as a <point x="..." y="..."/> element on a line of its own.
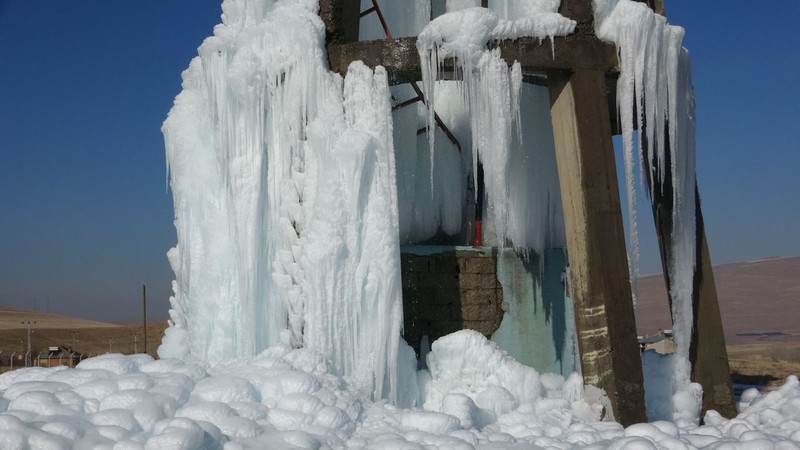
<point x="601" y="290"/>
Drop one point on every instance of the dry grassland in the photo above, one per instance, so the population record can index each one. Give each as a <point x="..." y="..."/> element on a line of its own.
<point x="764" y="363"/>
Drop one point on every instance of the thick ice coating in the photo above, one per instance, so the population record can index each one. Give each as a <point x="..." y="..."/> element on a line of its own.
<point x="655" y="81"/>
<point x="286" y="314"/>
<point x="491" y="92"/>
<point x="283" y="177"/>
<point x="288" y="209"/>
<point x="476" y="398"/>
<point x="285" y="191"/>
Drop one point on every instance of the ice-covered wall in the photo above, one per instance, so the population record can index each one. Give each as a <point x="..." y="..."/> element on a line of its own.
<point x="538" y="327"/>
<point x="253" y="101"/>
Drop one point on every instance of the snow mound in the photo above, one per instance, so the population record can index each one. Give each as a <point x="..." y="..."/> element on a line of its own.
<point x="477" y="398"/>
<point x="280" y="398"/>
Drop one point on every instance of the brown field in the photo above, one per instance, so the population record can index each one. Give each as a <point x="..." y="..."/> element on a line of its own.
<point x="13" y="318"/>
<point x="79" y="335"/>
<point x="86" y="340"/>
<point x="767" y="363"/>
<point x="759" y="301"/>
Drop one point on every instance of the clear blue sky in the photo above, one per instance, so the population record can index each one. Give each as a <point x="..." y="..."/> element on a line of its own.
<point x="85" y="216"/>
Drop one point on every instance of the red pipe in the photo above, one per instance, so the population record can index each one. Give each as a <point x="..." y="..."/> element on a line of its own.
<point x="383" y="21"/>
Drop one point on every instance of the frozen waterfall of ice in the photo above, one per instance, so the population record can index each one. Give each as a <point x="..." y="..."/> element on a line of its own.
<point x="283" y="177"/>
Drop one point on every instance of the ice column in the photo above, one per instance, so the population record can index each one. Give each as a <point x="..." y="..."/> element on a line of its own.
<point x="200" y="324"/>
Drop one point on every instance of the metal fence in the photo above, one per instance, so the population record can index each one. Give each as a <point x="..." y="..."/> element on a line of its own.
<point x="18" y="360"/>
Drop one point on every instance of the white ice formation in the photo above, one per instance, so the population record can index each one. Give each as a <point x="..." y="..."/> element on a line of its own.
<point x="490" y="92"/>
<point x="655" y="94"/>
<point x="286" y="200"/>
<point x="294" y="188"/>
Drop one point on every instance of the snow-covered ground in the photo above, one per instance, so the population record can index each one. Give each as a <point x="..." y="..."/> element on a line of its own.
<point x="474" y="397"/>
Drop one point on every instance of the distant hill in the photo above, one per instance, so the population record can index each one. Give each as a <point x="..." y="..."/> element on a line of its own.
<point x="759" y="300"/>
<point x="13" y="318"/>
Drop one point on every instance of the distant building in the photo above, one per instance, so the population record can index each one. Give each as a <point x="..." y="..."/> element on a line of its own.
<point x="59" y="356"/>
<point x="662" y="342"/>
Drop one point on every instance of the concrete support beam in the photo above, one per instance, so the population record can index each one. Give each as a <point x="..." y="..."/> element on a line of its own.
<point x="601" y="290"/>
<point x="580" y="11"/>
<point x="707" y="353"/>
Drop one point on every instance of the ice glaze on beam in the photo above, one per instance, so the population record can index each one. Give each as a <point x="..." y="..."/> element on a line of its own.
<point x="401" y="60"/>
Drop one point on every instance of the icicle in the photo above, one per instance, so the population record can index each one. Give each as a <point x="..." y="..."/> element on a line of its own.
<point x="491" y="135"/>
<point x="463" y="34"/>
<point x="684" y="242"/>
<point x="655" y="80"/>
<point x="535" y="219"/>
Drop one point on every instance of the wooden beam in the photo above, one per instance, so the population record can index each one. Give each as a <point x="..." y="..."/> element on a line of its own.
<point x="600" y="283"/>
<point x="401" y="59"/>
<point x="656" y="5"/>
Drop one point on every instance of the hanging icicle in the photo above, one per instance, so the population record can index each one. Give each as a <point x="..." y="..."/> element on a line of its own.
<point x="654" y="92"/>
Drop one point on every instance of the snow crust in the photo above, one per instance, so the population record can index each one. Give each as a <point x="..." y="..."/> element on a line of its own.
<point x="475" y="397"/>
<point x="654" y="93"/>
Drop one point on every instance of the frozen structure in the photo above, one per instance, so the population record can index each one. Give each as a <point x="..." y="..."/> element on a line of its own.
<point x="284" y="183"/>
<point x="301" y="159"/>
